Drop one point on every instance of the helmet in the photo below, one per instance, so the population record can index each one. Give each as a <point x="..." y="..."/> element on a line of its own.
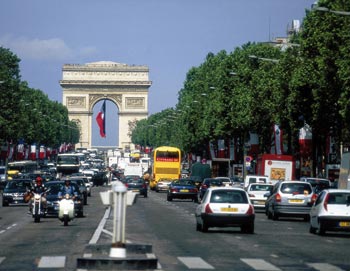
<point x="67" y="181"/>
<point x="38" y="180"/>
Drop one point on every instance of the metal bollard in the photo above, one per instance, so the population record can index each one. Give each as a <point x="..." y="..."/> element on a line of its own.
<point x="119" y="201"/>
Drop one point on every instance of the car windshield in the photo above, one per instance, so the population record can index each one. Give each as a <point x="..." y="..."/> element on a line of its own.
<point x="183" y="182"/>
<point x="215" y="183"/>
<point x="295" y="188"/>
<point x="135" y="181"/>
<point x="260" y="187"/>
<point x="54" y="188"/>
<point x="228" y="196"/>
<point x="18" y="185"/>
<point x="339" y="198"/>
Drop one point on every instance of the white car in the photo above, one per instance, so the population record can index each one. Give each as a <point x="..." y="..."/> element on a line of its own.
<point x="225" y="207"/>
<point x="331" y="211"/>
<point x="257" y="194"/>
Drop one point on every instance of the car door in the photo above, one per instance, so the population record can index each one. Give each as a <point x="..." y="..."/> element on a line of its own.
<point x="315" y="209"/>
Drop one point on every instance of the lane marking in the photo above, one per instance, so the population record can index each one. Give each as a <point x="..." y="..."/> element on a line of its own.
<point x="324" y="267"/>
<point x="259" y="264"/>
<point x="52" y="262"/>
<point x="195" y="263"/>
<point x="100" y="227"/>
<point x="2" y="259"/>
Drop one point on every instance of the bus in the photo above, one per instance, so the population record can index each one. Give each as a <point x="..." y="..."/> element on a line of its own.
<point x="166" y="164"/>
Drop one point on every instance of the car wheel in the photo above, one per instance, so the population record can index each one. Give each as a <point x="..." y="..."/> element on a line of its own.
<point x="307" y="218"/>
<point x="198" y="226"/>
<point x="274" y="215"/>
<point x="195" y="199"/>
<point x="312" y="230"/>
<point x="80" y="214"/>
<point x="85" y="200"/>
<point x="205" y="227"/>
<point x="4" y="203"/>
<point x="145" y="195"/>
<point x="321" y="229"/>
<point x="169" y="198"/>
<point x="249" y="228"/>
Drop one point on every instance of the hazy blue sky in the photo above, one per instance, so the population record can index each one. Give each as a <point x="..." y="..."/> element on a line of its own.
<point x="168" y="36"/>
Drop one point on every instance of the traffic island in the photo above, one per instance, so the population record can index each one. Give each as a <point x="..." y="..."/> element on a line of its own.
<point x="138" y="257"/>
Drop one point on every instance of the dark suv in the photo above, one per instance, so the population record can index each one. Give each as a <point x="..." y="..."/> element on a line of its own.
<point x="290" y="199"/>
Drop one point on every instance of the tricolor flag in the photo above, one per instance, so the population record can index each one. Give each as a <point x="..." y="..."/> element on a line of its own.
<point x="101" y="119"/>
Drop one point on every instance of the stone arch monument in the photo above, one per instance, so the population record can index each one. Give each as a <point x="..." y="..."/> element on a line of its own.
<point x="85" y="85"/>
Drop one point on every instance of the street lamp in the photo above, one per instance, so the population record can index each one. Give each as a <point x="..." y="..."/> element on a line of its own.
<point x="339" y="12"/>
<point x="264" y="59"/>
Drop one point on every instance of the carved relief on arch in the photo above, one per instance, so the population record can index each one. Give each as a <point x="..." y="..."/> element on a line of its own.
<point x="93" y="98"/>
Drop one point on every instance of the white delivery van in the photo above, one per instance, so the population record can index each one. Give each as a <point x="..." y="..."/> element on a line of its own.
<point x="255" y="179"/>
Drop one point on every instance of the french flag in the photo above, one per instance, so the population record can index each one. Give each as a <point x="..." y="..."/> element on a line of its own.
<point x="101" y="119"/>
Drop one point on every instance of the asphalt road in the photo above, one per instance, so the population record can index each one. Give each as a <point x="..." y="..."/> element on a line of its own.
<point x="170" y="228"/>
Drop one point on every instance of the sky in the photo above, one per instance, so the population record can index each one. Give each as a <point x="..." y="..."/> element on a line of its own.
<point x="168" y="36"/>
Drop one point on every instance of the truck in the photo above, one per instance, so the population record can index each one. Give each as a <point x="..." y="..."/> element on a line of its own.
<point x="277" y="167"/>
<point x="133" y="169"/>
<point x="67" y="163"/>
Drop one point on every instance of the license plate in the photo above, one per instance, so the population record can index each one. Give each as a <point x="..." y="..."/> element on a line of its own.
<point x="17" y="198"/>
<point x="224" y="209"/>
<point x="295" y="200"/>
<point x="260" y="202"/>
<point x="135" y="190"/>
<point x="344" y="224"/>
<point x="184" y="190"/>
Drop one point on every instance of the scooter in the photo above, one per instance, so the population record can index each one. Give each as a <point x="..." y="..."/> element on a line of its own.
<point x="66" y="210"/>
<point x="37" y="210"/>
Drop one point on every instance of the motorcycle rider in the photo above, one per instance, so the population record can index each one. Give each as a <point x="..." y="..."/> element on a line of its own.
<point x="67" y="189"/>
<point x="38" y="189"/>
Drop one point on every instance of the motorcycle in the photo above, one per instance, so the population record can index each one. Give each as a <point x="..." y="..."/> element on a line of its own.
<point x="66" y="210"/>
<point x="37" y="210"/>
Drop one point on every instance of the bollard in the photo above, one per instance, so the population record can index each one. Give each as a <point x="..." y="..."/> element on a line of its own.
<point x="119" y="201"/>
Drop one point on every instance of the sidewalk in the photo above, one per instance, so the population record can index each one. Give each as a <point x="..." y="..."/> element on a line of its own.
<point x="97" y="253"/>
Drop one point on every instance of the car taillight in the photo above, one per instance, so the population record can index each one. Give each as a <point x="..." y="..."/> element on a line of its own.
<point x="174" y="190"/>
<point x="250" y="210"/>
<point x="126" y="185"/>
<point x="325" y="203"/>
<point x="251" y="195"/>
<point x="204" y="186"/>
<point x="207" y="209"/>
<point x="144" y="185"/>
<point x="278" y="198"/>
<point x="194" y="190"/>
<point x="313" y="198"/>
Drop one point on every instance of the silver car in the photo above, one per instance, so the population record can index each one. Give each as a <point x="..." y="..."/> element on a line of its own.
<point x="290" y="199"/>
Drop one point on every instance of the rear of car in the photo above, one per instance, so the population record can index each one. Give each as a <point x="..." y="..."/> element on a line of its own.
<point x="182" y="189"/>
<point x="137" y="185"/>
<point x="318" y="184"/>
<point x="257" y="194"/>
<point x="331" y="212"/>
<point x="290" y="199"/>
<point x="225" y="207"/>
<point x="162" y="185"/>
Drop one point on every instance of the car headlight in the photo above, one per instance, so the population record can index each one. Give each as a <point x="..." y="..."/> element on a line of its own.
<point x="7" y="194"/>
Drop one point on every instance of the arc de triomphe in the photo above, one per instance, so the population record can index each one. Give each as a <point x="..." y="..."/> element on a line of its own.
<point x="85" y="85"/>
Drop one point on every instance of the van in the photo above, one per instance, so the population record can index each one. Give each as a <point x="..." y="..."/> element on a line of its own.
<point x="255" y="179"/>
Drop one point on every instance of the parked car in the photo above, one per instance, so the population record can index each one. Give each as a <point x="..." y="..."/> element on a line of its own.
<point x="225" y="207"/>
<point x="290" y="199"/>
<point x="209" y="182"/>
<point x="14" y="190"/>
<point x="2" y="177"/>
<point x="318" y="184"/>
<point x="137" y="185"/>
<point x="163" y="185"/>
<point x="182" y="189"/>
<point x="257" y="194"/>
<point x="52" y="198"/>
<point x="331" y="212"/>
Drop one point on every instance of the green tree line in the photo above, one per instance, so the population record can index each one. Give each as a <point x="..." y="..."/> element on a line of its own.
<point x="257" y="85"/>
<point x="27" y="114"/>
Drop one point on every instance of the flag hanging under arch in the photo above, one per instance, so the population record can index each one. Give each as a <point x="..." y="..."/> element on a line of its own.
<point x="101" y="119"/>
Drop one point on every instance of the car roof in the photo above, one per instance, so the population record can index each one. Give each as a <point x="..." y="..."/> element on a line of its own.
<point x="338" y="190"/>
<point x="226" y="188"/>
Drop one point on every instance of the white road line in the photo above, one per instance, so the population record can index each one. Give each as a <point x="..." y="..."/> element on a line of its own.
<point x="324" y="267"/>
<point x="99" y="229"/>
<point x="52" y="262"/>
<point x="195" y="263"/>
<point x="2" y="259"/>
<point x="2" y="231"/>
<point x="259" y="264"/>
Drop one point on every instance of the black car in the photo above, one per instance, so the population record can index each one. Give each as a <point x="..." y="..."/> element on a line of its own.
<point x="52" y="198"/>
<point x="100" y="178"/>
<point x="137" y="185"/>
<point x="14" y="191"/>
